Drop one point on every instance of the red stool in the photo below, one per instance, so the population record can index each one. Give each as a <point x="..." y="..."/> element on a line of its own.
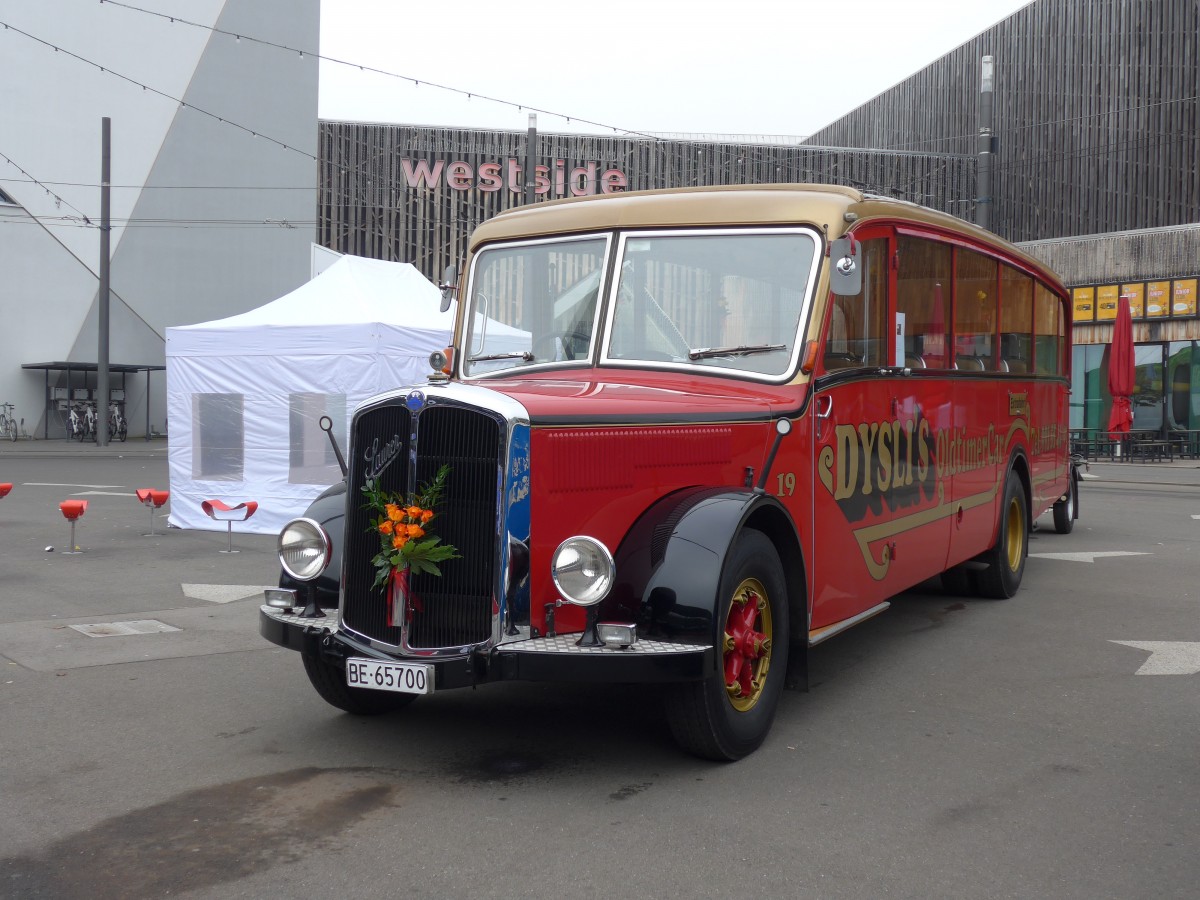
<point x="152" y="499"/>
<point x="73" y="510"/>
<point x="5" y="488"/>
<point x="219" y="511"/>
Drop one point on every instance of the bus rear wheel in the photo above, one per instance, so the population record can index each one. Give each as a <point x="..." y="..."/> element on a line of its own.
<point x="1064" y="509"/>
<point x="728" y="714"/>
<point x="1006" y="559"/>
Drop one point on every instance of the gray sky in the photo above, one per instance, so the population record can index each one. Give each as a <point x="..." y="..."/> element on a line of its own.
<point x="779" y="67"/>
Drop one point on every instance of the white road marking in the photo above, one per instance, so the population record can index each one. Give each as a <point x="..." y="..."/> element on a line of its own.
<point x="103" y="494"/>
<point x="1086" y="557"/>
<point x="222" y="593"/>
<point x="1196" y="517"/>
<point x="54" y="484"/>
<point x="1168" y="657"/>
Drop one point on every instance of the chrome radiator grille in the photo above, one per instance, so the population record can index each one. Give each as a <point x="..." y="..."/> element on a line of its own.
<point x="456" y="609"/>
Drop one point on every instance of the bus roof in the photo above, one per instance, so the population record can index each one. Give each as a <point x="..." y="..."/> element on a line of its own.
<point x="834" y="207"/>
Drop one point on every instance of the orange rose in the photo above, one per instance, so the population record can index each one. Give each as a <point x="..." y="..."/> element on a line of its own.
<point x="394" y="512"/>
<point x="426" y="515"/>
<point x="399" y="541"/>
<point x="416" y="531"/>
<point x="413" y="512"/>
<point x="385" y="527"/>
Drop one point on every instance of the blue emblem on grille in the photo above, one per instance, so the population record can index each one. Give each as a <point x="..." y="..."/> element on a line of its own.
<point x="414" y="401"/>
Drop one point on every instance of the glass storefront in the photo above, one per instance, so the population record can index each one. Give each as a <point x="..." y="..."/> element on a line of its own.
<point x="1167" y="396"/>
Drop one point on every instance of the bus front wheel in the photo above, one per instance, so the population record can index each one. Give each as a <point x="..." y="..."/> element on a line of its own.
<point x="728" y="714"/>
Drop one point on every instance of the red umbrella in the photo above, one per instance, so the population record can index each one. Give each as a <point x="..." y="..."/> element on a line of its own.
<point x="1121" y="371"/>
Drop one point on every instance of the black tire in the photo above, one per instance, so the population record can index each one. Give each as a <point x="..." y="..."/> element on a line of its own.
<point x="122" y="431"/>
<point x="330" y="682"/>
<point x="1065" y="509"/>
<point x="707" y="718"/>
<point x="1006" y="559"/>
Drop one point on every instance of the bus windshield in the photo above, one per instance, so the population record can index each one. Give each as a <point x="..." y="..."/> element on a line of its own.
<point x="723" y="299"/>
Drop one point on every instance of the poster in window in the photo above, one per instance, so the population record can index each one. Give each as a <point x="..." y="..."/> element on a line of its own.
<point x="1183" y="302"/>
<point x="1085" y="304"/>
<point x="1106" y="302"/>
<point x="1137" y="299"/>
<point x="1158" y="298"/>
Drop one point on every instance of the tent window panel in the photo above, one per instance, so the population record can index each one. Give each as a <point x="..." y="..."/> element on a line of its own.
<point x="311" y="459"/>
<point x="218" y="449"/>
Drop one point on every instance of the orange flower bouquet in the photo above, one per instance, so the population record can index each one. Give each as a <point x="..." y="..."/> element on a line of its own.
<point x="406" y="543"/>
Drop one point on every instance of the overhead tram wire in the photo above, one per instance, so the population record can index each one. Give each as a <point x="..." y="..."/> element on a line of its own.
<point x="145" y="87"/>
<point x="59" y="201"/>
<point x="470" y="95"/>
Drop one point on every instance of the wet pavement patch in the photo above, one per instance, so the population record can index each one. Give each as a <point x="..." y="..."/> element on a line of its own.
<point x="502" y="765"/>
<point x="201" y="838"/>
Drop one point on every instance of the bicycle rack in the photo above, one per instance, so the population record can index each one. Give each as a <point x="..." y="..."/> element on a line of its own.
<point x="73" y="510"/>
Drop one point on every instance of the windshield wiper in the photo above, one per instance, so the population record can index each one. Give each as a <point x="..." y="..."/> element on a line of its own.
<point x="743" y="350"/>
<point x="520" y="354"/>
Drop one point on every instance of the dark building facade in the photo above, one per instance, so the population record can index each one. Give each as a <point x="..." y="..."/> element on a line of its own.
<point x="414" y="194"/>
<point x="1095" y="170"/>
<point x="1094" y="116"/>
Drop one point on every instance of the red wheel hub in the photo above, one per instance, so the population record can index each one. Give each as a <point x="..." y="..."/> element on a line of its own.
<point x="747" y="644"/>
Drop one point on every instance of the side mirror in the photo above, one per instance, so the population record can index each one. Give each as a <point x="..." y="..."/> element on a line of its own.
<point x="449" y="286"/>
<point x="845" y="266"/>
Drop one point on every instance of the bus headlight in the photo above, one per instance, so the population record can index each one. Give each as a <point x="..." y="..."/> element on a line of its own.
<point x="304" y="549"/>
<point x="583" y="570"/>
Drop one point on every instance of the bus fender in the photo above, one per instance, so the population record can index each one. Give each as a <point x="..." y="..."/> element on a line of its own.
<point x="670" y="563"/>
<point x="329" y="511"/>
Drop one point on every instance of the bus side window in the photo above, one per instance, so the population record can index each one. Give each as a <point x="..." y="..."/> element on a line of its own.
<point x="1016" y="321"/>
<point x="923" y="301"/>
<point x="975" y="305"/>
<point x="857" y="329"/>
<point x="1049" y="337"/>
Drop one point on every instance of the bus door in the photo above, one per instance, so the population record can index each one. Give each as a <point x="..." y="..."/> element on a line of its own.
<point x="877" y="529"/>
<point x="985" y="424"/>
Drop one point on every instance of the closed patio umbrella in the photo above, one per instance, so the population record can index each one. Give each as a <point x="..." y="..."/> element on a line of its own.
<point x="1121" y="372"/>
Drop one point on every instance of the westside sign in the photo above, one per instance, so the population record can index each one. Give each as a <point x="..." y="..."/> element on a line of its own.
<point x="490" y="177"/>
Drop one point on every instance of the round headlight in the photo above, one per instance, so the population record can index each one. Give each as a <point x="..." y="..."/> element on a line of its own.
<point x="304" y="549"/>
<point x="583" y="570"/>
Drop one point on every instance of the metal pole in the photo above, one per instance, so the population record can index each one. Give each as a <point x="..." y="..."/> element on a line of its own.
<point x="983" y="200"/>
<point x="531" y="159"/>
<point x="102" y="391"/>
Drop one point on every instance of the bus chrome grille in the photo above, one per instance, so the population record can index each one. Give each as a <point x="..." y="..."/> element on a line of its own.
<point x="454" y="609"/>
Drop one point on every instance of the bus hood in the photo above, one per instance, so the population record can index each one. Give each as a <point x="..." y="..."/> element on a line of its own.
<point x="614" y="398"/>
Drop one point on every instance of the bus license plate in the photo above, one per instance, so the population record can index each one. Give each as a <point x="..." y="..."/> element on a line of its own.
<point x="404" y="678"/>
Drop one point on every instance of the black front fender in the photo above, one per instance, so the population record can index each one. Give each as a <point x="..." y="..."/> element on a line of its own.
<point x="328" y="510"/>
<point x="669" y="565"/>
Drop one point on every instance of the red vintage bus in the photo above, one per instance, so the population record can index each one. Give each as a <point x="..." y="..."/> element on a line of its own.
<point x="687" y="435"/>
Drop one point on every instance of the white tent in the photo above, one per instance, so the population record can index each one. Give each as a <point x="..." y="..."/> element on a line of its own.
<point x="245" y="394"/>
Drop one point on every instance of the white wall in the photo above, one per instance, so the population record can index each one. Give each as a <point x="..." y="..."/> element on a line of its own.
<point x="193" y="187"/>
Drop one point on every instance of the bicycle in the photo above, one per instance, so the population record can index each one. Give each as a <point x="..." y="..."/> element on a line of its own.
<point x="87" y="427"/>
<point x="8" y="422"/>
<point x="118" y="428"/>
